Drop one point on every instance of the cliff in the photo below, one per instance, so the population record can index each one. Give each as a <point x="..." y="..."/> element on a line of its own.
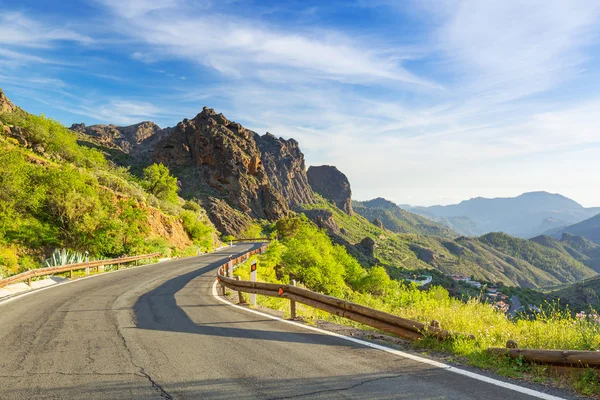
<point x="258" y="177"/>
<point x="332" y="184"/>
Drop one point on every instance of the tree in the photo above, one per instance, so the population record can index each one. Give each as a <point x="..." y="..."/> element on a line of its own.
<point x="159" y="181"/>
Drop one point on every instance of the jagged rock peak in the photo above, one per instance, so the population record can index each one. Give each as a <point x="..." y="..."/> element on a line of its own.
<point x="5" y="104"/>
<point x="332" y="184"/>
<point x="130" y="139"/>
<point x="261" y="176"/>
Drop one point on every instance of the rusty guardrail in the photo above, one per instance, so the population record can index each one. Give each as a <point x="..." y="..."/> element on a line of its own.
<point x="390" y="323"/>
<point x="27" y="275"/>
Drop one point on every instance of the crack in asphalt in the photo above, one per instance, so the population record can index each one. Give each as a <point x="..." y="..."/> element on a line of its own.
<point x="156" y="386"/>
<point x="335" y="390"/>
<point x="141" y="373"/>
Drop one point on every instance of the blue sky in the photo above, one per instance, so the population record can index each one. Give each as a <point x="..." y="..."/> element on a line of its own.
<point x="422" y="102"/>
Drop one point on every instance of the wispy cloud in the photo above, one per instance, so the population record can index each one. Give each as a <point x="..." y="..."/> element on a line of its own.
<point x="20" y="30"/>
<point x="240" y="48"/>
<point x="510" y="49"/>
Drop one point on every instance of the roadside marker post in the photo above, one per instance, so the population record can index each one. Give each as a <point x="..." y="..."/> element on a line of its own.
<point x="253" y="279"/>
<point x="230" y="267"/>
<point x="293" y="304"/>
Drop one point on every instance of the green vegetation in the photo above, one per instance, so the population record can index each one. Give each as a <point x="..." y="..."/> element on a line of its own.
<point x="55" y="193"/>
<point x="487" y="259"/>
<point x="306" y="254"/>
<point x="561" y="266"/>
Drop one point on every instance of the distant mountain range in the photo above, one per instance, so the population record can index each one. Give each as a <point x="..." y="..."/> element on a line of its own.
<point x="527" y="215"/>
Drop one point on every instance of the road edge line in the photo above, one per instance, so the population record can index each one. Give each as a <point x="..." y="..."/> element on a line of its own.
<point x="437" y="364"/>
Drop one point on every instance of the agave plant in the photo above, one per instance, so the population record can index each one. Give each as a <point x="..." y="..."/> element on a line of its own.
<point x="64" y="257"/>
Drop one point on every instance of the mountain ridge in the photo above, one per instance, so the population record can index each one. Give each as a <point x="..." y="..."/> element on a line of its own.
<point x="527" y="215"/>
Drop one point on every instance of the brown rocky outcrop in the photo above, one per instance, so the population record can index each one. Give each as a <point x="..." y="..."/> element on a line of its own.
<point x="5" y="104"/>
<point x="377" y="222"/>
<point x="424" y="254"/>
<point x="367" y="247"/>
<point x="262" y="177"/>
<point x="136" y="140"/>
<point x="332" y="184"/>
<point x="323" y="219"/>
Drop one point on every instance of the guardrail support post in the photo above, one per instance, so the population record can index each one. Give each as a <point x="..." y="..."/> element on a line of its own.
<point x="71" y="274"/>
<point x="29" y="281"/>
<point x="240" y="294"/>
<point x="230" y="267"/>
<point x="293" y="304"/>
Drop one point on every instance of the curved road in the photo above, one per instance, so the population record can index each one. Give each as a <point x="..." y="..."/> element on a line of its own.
<point x="157" y="332"/>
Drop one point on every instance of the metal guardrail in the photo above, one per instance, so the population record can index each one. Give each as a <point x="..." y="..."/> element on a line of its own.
<point x="27" y="275"/>
<point x="390" y="323"/>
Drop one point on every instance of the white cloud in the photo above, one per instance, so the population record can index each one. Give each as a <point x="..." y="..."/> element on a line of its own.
<point x="242" y="48"/>
<point x="19" y="30"/>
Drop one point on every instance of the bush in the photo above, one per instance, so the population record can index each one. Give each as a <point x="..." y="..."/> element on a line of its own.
<point x="159" y="181"/>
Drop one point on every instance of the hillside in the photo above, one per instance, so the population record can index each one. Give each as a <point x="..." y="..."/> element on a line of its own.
<point x="589" y="229"/>
<point x="398" y="220"/>
<point x="578" y="247"/>
<point x="525" y="216"/>
<point x="401" y="253"/>
<point x="560" y="265"/>
<point x="580" y="296"/>
<point x="55" y="193"/>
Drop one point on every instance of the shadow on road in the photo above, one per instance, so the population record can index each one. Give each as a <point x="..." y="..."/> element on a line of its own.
<point x="158" y="310"/>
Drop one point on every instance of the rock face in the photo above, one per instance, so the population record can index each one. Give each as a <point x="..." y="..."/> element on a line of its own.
<point x="367" y="247"/>
<point x="5" y="104"/>
<point x="323" y="219"/>
<point x="332" y="184"/>
<point x="236" y="172"/>
<point x="134" y="139"/>
<point x="377" y="222"/>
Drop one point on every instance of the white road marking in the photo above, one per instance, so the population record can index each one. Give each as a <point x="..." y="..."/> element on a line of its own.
<point x="482" y="378"/>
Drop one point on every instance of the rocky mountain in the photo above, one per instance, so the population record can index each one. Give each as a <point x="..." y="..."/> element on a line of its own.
<point x="136" y="141"/>
<point x="238" y="174"/>
<point x="394" y="218"/>
<point x="589" y="229"/>
<point x="527" y="215"/>
<point x="5" y="104"/>
<point x="332" y="184"/>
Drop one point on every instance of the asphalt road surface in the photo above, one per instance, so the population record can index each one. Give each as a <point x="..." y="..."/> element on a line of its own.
<point x="157" y="332"/>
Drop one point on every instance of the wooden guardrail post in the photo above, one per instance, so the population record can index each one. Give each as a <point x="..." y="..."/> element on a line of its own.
<point x="293" y="304"/>
<point x="71" y="274"/>
<point x="240" y="294"/>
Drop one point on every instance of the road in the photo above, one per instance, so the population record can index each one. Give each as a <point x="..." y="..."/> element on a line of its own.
<point x="157" y="332"/>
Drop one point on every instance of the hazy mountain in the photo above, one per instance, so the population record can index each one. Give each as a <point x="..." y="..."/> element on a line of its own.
<point x="398" y="220"/>
<point x="589" y="229"/>
<point x="527" y="215"/>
